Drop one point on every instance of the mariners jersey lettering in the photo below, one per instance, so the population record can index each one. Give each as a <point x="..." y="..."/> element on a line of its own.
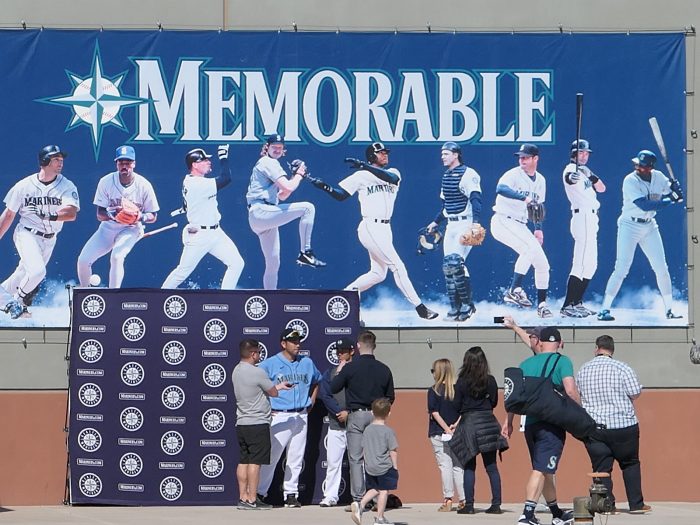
<point x="110" y="192"/>
<point x="262" y="186"/>
<point x="302" y="371"/>
<point x="48" y="197"/>
<point x="633" y="187"/>
<point x="581" y="194"/>
<point x="200" y="200"/>
<point x="376" y="196"/>
<point x="520" y="181"/>
<point x="457" y="185"/>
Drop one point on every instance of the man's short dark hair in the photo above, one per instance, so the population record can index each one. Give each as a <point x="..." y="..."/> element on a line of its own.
<point x="381" y="407"/>
<point x="247" y="347"/>
<point x="367" y="338"/>
<point x="605" y="342"/>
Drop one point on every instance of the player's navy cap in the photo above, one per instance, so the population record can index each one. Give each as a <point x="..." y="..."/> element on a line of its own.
<point x="527" y="150"/>
<point x="583" y="145"/>
<point x="535" y="330"/>
<point x="645" y="158"/>
<point x="344" y="344"/>
<point x="452" y="146"/>
<point x="290" y="334"/>
<point x="275" y="139"/>
<point x="549" y="334"/>
<point x="125" y="152"/>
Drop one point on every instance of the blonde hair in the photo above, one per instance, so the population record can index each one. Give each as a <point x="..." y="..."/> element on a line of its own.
<point x="444" y="376"/>
<point x="266" y="147"/>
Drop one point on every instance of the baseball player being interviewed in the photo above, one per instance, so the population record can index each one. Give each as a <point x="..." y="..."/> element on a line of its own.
<point x="520" y="190"/>
<point x="645" y="191"/>
<point x="460" y="193"/>
<point x="376" y="187"/>
<point x="125" y="201"/>
<point x="268" y="186"/>
<point x="44" y="201"/>
<point x="581" y="186"/>
<point x="203" y="233"/>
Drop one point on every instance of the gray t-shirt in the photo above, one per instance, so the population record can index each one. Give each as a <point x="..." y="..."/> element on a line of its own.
<point x="250" y="385"/>
<point x="377" y="442"/>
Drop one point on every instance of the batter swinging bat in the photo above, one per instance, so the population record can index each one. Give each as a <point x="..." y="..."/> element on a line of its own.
<point x="658" y="137"/>
<point x="579" y="116"/>
<point x="160" y="230"/>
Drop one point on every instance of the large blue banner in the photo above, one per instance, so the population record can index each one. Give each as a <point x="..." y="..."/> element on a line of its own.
<point x="331" y="95"/>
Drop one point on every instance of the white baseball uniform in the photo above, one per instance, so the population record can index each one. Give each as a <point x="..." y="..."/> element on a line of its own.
<point x="638" y="227"/>
<point x="458" y="209"/>
<point x="111" y="235"/>
<point x="266" y="215"/>
<point x="584" y="221"/>
<point x="35" y="238"/>
<point x="203" y="235"/>
<point x="509" y="223"/>
<point x="377" y="199"/>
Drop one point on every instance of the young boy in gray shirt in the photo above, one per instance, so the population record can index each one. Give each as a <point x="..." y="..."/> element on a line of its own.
<point x="381" y="462"/>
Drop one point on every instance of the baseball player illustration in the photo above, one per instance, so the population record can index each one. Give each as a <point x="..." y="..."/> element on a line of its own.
<point x="125" y="201"/>
<point x="581" y="186"/>
<point x="460" y="193"/>
<point x="645" y="191"/>
<point x="268" y="186"/>
<point x="289" y="413"/>
<point x="376" y="188"/>
<point x="44" y="201"/>
<point x="203" y="234"/>
<point x="520" y="196"/>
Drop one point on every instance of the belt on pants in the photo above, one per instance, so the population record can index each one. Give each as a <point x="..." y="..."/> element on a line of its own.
<point x="260" y="202"/>
<point x="289" y="410"/>
<point x="360" y="410"/>
<point x="380" y="221"/>
<point x="640" y="220"/>
<point x="214" y="227"/>
<point x="581" y="211"/>
<point x="514" y="219"/>
<point x="459" y="218"/>
<point x="40" y="234"/>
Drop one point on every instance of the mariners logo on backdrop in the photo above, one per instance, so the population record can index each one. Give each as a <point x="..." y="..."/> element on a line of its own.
<point x="331" y="354"/>
<point x="173" y="397"/>
<point x="174" y="352"/>
<point x="90" y="395"/>
<point x="263" y="351"/>
<point x="90" y="351"/>
<point x="507" y="388"/>
<point x="172" y="443"/>
<point x="89" y="439"/>
<point x="171" y="488"/>
<point x="337" y="308"/>
<point x="213" y="420"/>
<point x="131" y="419"/>
<point x="256" y="308"/>
<point x="133" y="329"/>
<point x="215" y="330"/>
<point x="131" y="464"/>
<point x="212" y="465"/>
<point x="132" y="373"/>
<point x="300" y="326"/>
<point x="90" y="485"/>
<point x="175" y="307"/>
<point x="214" y="375"/>
<point x="93" y="306"/>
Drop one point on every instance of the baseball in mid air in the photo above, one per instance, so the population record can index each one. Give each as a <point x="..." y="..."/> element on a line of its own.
<point x="95" y="280"/>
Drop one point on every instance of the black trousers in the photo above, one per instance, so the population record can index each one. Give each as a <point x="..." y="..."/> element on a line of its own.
<point x="622" y="445"/>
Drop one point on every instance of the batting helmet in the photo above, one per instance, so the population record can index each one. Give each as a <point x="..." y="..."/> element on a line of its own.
<point x="195" y="155"/>
<point x="48" y="152"/>
<point x="645" y="158"/>
<point x="581" y="145"/>
<point x="373" y="149"/>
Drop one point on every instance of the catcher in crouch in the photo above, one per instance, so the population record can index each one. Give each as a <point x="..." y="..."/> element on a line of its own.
<point x="125" y="200"/>
<point x="461" y="208"/>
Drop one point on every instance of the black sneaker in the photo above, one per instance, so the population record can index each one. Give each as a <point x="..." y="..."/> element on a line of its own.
<point x="245" y="505"/>
<point x="467" y="509"/>
<point x="494" y="509"/>
<point x="292" y="501"/>
<point x="261" y="505"/>
<point x="671" y="315"/>
<point x="308" y="258"/>
<point x="425" y="312"/>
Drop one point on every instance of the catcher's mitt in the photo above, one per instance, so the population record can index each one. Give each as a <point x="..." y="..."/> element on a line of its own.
<point x="128" y="213"/>
<point x="535" y="212"/>
<point x="474" y="236"/>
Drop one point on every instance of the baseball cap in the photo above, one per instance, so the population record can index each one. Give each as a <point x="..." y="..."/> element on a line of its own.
<point x="549" y="334"/>
<point x="290" y="334"/>
<point x="452" y="146"/>
<point x="535" y="330"/>
<point x="275" y="139"/>
<point x="344" y="343"/>
<point x="125" y="152"/>
<point x="527" y="150"/>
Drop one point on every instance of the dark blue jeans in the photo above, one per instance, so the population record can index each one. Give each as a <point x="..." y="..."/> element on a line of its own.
<point x="489" y="459"/>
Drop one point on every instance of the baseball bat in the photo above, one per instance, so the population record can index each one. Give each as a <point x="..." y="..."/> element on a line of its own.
<point x="160" y="230"/>
<point x="659" y="138"/>
<point x="579" y="118"/>
<point x="177" y="212"/>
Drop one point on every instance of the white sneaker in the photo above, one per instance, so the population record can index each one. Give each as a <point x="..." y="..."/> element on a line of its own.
<point x="328" y="502"/>
<point x="543" y="311"/>
<point x="518" y="297"/>
<point x="356" y="512"/>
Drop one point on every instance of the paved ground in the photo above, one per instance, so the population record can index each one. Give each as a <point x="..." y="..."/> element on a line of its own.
<point x="662" y="514"/>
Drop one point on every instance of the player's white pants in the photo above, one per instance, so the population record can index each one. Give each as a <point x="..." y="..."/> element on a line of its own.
<point x="378" y="240"/>
<point x="265" y="220"/>
<point x="198" y="243"/>
<point x="451" y="244"/>
<point x="647" y="236"/>
<point x="34" y="253"/>
<point x="288" y="430"/>
<point x="584" y="230"/>
<point x="451" y="474"/>
<point x="110" y="235"/>
<point x="336" y="443"/>
<point x="518" y="236"/>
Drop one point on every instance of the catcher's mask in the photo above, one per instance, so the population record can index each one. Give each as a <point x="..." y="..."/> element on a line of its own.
<point x="428" y="241"/>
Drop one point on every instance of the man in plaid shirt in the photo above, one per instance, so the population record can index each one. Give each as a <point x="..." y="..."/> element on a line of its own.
<point x="608" y="388"/>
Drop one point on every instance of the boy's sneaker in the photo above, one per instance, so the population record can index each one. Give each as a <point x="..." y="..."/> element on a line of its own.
<point x="308" y="258"/>
<point x="328" y="502"/>
<point x="524" y="521"/>
<point x="356" y="512"/>
<point x="382" y="521"/>
<point x="292" y="501"/>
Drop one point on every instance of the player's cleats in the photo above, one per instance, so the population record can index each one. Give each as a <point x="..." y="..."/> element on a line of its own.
<point x="572" y="311"/>
<point x="543" y="311"/>
<point x="605" y="315"/>
<point x="15" y="309"/>
<point x="308" y="258"/>
<point x="356" y="512"/>
<point x="425" y="312"/>
<point x="585" y="310"/>
<point x="452" y="315"/>
<point x="292" y="501"/>
<point x="518" y="297"/>
<point x="671" y="315"/>
<point x="467" y="314"/>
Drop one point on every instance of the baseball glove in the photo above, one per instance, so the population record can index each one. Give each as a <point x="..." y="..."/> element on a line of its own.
<point x="535" y="212"/>
<point x="296" y="165"/>
<point x="128" y="213"/>
<point x="474" y="236"/>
